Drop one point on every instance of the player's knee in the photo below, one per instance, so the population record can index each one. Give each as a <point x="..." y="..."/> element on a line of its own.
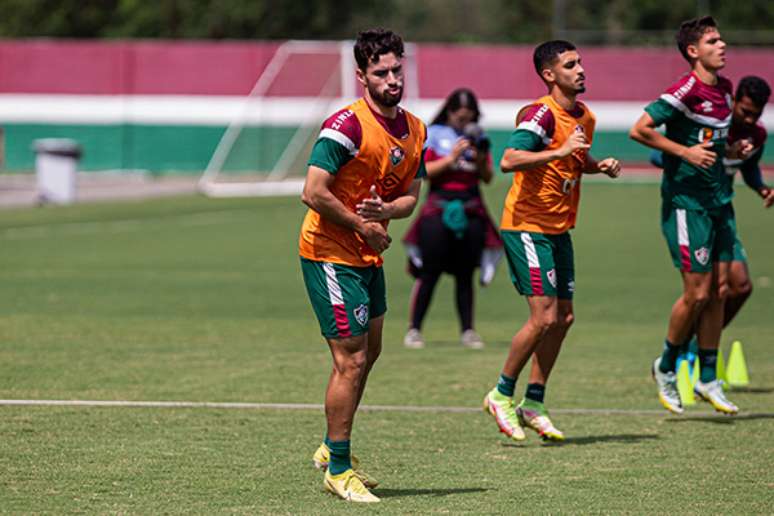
<point x="740" y="289"/>
<point x="697" y="298"/>
<point x="353" y="365"/>
<point x="546" y="321"/>
<point x="373" y="355"/>
<point x="567" y="320"/>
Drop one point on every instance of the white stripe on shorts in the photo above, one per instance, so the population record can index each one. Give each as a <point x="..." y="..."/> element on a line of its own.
<point x="682" y="228"/>
<point x="529" y="248"/>
<point x="334" y="290"/>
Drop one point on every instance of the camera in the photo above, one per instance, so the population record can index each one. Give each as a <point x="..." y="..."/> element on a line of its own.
<point x="473" y="133"/>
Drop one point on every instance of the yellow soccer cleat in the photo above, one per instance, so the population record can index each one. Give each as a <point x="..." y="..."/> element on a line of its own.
<point x="712" y="393"/>
<point x="501" y="409"/>
<point x="322" y="458"/>
<point x="349" y="487"/>
<point x="534" y="415"/>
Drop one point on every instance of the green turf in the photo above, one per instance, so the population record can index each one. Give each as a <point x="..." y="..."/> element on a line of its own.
<point x="202" y="300"/>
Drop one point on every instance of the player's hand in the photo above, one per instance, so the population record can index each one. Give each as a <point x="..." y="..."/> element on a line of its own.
<point x="576" y="141"/>
<point x="768" y="197"/>
<point x="700" y="155"/>
<point x="740" y="149"/>
<point x="374" y="208"/>
<point x="610" y="166"/>
<point x="375" y="236"/>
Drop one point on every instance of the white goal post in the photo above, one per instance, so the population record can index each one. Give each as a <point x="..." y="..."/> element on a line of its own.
<point x="263" y="151"/>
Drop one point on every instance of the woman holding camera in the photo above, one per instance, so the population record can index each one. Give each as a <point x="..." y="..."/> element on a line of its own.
<point x="453" y="232"/>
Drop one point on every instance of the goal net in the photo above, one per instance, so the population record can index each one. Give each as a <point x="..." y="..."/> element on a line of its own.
<point x="265" y="148"/>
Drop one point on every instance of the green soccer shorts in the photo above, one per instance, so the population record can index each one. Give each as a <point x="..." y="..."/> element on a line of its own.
<point x="540" y="264"/>
<point x="344" y="298"/>
<point x="697" y="238"/>
<point x="740" y="253"/>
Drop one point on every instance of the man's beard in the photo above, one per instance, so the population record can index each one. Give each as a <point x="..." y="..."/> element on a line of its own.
<point x="386" y="99"/>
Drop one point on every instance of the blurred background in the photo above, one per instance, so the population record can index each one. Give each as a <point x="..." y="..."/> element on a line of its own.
<point x="160" y="91"/>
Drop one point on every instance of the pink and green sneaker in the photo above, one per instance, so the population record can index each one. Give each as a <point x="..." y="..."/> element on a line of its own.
<point x="534" y="415"/>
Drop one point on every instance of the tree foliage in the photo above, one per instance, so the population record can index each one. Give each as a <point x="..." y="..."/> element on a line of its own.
<point x="495" y="21"/>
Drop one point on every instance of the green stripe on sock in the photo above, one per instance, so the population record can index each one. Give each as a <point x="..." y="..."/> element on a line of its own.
<point x="340" y="457"/>
<point x="506" y="385"/>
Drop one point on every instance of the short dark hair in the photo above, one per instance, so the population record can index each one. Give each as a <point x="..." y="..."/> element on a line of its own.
<point x="459" y="98"/>
<point x="373" y="43"/>
<point x="546" y="53"/>
<point x="755" y="88"/>
<point x="691" y="32"/>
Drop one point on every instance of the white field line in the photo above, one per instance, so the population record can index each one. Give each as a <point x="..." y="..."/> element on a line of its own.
<point x="120" y="226"/>
<point x="317" y="407"/>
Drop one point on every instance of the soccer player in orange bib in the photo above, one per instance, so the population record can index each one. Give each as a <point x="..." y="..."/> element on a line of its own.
<point x="548" y="153"/>
<point x="365" y="169"/>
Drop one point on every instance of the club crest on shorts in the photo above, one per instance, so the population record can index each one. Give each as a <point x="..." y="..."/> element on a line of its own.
<point x="396" y="156"/>
<point x="551" y="275"/>
<point x="702" y="255"/>
<point x="361" y="314"/>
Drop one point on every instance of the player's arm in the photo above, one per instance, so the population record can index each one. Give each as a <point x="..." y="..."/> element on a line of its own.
<point x="526" y="150"/>
<point x="751" y="173"/>
<point x="318" y="196"/>
<point x="644" y="132"/>
<point x="516" y="158"/>
<point x="374" y="208"/>
<point x="608" y="166"/>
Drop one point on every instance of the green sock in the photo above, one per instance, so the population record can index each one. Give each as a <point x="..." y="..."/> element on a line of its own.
<point x="327" y="441"/>
<point x="708" y="362"/>
<point x="340" y="457"/>
<point x="535" y="392"/>
<point x="506" y="385"/>
<point x="669" y="357"/>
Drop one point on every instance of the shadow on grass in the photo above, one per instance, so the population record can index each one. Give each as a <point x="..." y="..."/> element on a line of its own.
<point x="721" y="420"/>
<point x="593" y="439"/>
<point x="395" y="493"/>
<point x="752" y="390"/>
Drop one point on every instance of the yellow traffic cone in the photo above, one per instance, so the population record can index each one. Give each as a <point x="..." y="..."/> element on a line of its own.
<point x="684" y="386"/>
<point x="720" y="367"/>
<point x="736" y="372"/>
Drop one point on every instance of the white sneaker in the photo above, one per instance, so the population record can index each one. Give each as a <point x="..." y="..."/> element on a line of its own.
<point x="712" y="393"/>
<point x="489" y="260"/>
<point x="667" y="388"/>
<point x="413" y="339"/>
<point x="471" y="339"/>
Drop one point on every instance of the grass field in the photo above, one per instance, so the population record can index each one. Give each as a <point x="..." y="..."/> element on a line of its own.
<point x="202" y="300"/>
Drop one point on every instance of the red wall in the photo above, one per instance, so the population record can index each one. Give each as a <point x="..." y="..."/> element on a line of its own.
<point x="231" y="68"/>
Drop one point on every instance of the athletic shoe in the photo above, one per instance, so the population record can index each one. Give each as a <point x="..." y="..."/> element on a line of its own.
<point x="667" y="388"/>
<point x="501" y="409"/>
<point x="413" y="339"/>
<point x="712" y="393"/>
<point x="471" y="339"/>
<point x="322" y="458"/>
<point x="348" y="486"/>
<point x="535" y="416"/>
